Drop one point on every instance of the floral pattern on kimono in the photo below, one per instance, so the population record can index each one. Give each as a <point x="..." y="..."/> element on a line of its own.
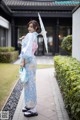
<point x="29" y="46"/>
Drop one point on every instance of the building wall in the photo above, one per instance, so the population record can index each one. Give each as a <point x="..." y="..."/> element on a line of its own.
<point x="5" y="32"/>
<point x="76" y="35"/>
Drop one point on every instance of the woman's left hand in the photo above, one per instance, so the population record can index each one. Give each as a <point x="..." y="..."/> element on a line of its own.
<point x="22" y="37"/>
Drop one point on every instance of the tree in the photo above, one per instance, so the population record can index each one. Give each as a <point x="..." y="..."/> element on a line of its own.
<point x="67" y="44"/>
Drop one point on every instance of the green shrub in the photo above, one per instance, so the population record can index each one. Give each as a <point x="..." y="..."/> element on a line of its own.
<point x="67" y="44"/>
<point x="8" y="54"/>
<point x="68" y="75"/>
<point x="7" y="49"/>
<point x="7" y="57"/>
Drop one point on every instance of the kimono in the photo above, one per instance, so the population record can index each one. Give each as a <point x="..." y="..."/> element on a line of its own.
<point x="29" y="46"/>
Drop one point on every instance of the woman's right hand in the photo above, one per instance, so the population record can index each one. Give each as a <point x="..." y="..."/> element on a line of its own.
<point x="22" y="63"/>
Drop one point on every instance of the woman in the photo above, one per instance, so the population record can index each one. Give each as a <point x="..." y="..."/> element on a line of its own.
<point x="28" y="61"/>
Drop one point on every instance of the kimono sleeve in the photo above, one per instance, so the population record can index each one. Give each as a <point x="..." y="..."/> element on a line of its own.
<point x="26" y="52"/>
<point x="35" y="45"/>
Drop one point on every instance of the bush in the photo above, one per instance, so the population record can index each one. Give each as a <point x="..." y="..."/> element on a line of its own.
<point x="68" y="75"/>
<point x="7" y="54"/>
<point x="67" y="44"/>
<point x="7" y="49"/>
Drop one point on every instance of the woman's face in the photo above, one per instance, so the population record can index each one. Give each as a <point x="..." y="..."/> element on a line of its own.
<point x="30" y="28"/>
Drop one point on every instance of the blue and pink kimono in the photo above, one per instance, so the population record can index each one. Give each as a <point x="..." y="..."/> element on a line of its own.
<point x="29" y="46"/>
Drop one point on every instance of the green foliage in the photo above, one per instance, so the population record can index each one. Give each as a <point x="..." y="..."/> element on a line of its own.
<point x="67" y="44"/>
<point x="7" y="57"/>
<point x="68" y="75"/>
<point x="7" y="54"/>
<point x="7" y="49"/>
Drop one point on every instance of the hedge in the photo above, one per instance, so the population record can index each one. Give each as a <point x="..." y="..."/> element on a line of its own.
<point x="68" y="76"/>
<point x="8" y="54"/>
<point x="7" y="49"/>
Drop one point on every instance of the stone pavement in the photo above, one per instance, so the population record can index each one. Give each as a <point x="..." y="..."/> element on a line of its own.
<point x="50" y="105"/>
<point x="41" y="60"/>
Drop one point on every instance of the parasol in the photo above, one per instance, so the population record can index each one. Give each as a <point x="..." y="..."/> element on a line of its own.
<point x="43" y="32"/>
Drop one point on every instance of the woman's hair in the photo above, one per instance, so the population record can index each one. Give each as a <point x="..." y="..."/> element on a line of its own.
<point x="35" y="24"/>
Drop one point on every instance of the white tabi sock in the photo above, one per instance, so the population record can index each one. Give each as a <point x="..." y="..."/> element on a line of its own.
<point x="33" y="110"/>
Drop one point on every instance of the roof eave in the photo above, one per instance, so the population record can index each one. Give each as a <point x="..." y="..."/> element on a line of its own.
<point x="53" y="14"/>
<point x="75" y="8"/>
<point x="16" y="8"/>
<point x="5" y="8"/>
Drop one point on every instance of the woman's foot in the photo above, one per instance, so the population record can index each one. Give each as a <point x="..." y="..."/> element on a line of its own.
<point x="30" y="114"/>
<point x="25" y="109"/>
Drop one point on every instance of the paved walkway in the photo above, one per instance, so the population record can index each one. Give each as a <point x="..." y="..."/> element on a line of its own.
<point x="41" y="60"/>
<point x="50" y="104"/>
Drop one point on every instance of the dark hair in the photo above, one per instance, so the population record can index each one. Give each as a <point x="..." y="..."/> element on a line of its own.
<point x="35" y="24"/>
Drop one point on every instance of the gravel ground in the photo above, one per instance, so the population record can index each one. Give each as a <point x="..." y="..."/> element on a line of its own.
<point x="12" y="102"/>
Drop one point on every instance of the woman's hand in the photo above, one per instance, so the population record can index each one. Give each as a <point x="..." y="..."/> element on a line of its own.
<point x="22" y="63"/>
<point x="21" y="37"/>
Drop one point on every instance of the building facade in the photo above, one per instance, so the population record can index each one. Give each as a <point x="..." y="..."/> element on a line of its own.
<point x="5" y="25"/>
<point x="56" y="16"/>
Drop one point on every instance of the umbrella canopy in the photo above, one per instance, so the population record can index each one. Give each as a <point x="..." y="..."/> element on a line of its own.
<point x="43" y="32"/>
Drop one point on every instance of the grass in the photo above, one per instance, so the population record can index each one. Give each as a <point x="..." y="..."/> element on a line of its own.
<point x="41" y="66"/>
<point x="8" y="73"/>
<point x="8" y="78"/>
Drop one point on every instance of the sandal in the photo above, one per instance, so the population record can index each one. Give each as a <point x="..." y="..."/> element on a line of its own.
<point x="25" y="109"/>
<point x="30" y="114"/>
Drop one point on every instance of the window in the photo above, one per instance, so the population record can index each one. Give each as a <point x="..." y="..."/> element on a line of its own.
<point x="63" y="32"/>
<point x="22" y="31"/>
<point x="3" y="36"/>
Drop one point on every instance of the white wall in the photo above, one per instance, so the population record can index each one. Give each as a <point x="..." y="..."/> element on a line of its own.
<point x="76" y="35"/>
<point x="5" y="24"/>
